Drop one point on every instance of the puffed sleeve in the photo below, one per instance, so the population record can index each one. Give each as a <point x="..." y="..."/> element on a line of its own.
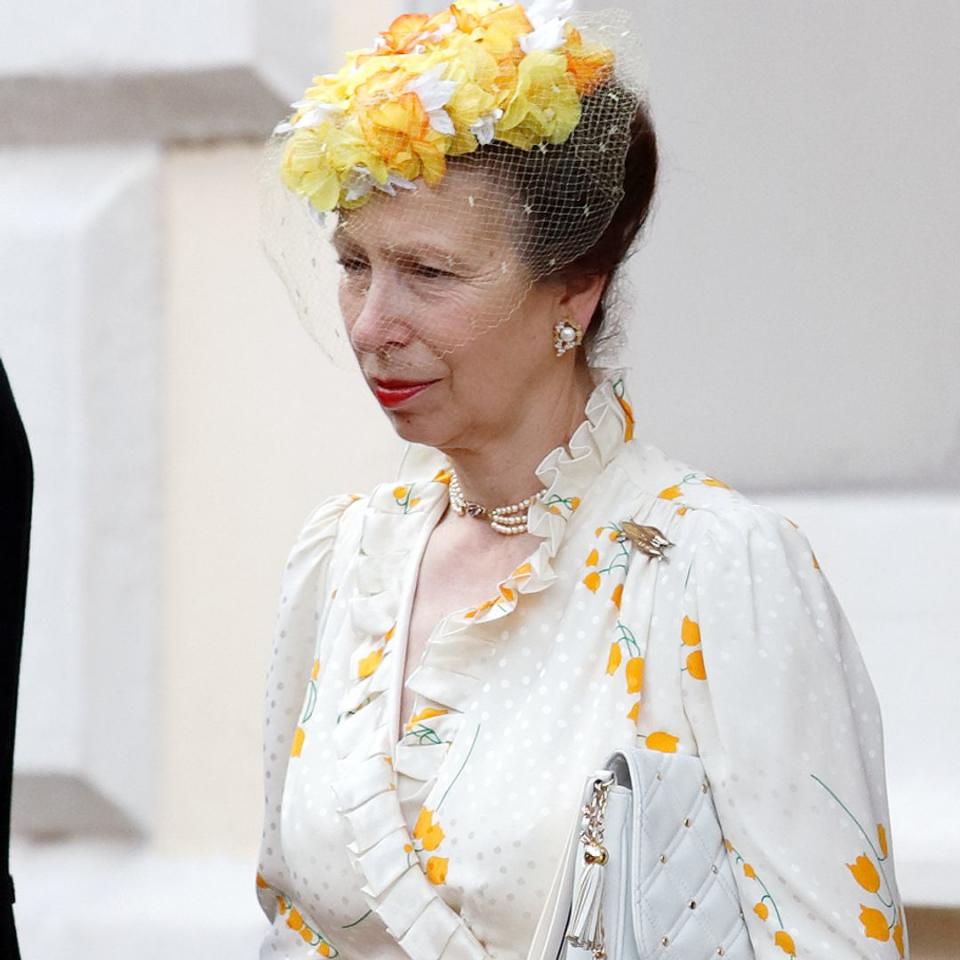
<point x="302" y="593"/>
<point x="788" y="727"/>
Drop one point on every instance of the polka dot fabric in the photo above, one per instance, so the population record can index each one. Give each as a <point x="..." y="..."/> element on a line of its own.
<point x="437" y="835"/>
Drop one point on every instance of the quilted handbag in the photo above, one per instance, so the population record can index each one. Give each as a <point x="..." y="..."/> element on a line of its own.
<point x="644" y="873"/>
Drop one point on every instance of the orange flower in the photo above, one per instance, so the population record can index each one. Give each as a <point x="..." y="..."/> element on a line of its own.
<point x="670" y="493"/>
<point x="882" y="837"/>
<point x="690" y="632"/>
<point x="437" y="869"/>
<point x="785" y="942"/>
<point x="523" y="570"/>
<point x="617" y="595"/>
<point x="748" y="871"/>
<point x="297" y="745"/>
<point x="261" y="882"/>
<point x="614" y="658"/>
<point x="874" y="923"/>
<point x="295" y="921"/>
<point x="592" y="558"/>
<point x="399" y="36"/>
<point x="315" y="672"/>
<point x="442" y="476"/>
<point x="634" y="712"/>
<point x="662" y="741"/>
<point x="324" y="949"/>
<point x="634" y="674"/>
<point x="713" y="482"/>
<point x="592" y="581"/>
<point x="695" y="665"/>
<point x="898" y="932"/>
<point x="760" y="909"/>
<point x="865" y="873"/>
<point x="590" y="65"/>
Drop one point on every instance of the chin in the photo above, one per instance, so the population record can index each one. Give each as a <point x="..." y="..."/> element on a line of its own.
<point x="420" y="428"/>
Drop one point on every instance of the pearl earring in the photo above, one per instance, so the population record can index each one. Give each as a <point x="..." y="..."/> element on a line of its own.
<point x="567" y="334"/>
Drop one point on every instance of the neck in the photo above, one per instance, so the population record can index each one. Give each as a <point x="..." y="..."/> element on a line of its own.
<point x="500" y="470"/>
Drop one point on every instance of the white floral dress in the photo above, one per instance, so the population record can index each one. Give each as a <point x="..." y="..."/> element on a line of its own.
<point x="437" y="835"/>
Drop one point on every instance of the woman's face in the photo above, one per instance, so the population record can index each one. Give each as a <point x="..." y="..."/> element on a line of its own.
<point x="449" y="330"/>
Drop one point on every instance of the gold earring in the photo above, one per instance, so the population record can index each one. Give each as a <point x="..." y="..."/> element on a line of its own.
<point x="567" y="334"/>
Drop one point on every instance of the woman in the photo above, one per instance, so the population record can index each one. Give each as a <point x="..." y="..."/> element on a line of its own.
<point x="458" y="649"/>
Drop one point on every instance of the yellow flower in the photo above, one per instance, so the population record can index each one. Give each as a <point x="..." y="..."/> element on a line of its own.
<point x="297" y="745"/>
<point x="748" y="871"/>
<point x="713" y="482"/>
<point x="865" y="873"/>
<point x="760" y="909"/>
<point x="369" y="663"/>
<point x="430" y="834"/>
<point x="670" y="493"/>
<point x="613" y="659"/>
<point x="592" y="558"/>
<point x="437" y="869"/>
<point x="315" y="672"/>
<point x="662" y="741"/>
<point x="695" y="665"/>
<point x="424" y="714"/>
<point x="544" y="106"/>
<point x="690" y="632"/>
<point x="634" y="674"/>
<point x="634" y="712"/>
<point x="785" y="942"/>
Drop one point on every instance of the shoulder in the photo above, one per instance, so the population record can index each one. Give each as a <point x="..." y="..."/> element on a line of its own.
<point x="322" y="526"/>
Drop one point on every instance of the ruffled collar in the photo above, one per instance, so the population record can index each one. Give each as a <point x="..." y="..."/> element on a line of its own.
<point x="397" y="523"/>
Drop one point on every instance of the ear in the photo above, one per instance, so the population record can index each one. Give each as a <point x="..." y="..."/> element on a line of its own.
<point x="580" y="295"/>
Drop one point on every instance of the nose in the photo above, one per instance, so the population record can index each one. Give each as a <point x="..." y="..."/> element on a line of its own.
<point x="377" y="322"/>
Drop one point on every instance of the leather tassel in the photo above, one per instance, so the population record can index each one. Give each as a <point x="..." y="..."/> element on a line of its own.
<point x="586" y="915"/>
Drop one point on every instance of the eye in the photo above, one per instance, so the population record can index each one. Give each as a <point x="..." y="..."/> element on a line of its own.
<point x="351" y="264"/>
<point x="430" y="273"/>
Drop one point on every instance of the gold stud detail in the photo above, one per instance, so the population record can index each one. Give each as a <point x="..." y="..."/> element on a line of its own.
<point x="663" y="858"/>
<point x="686" y="821"/>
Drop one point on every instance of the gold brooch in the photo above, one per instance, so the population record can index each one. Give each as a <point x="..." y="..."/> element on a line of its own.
<point x="649" y="539"/>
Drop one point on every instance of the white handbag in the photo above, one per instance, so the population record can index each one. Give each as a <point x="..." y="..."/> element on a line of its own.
<point x="644" y="872"/>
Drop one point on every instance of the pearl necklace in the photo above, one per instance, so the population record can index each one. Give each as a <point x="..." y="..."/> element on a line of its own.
<point x="510" y="519"/>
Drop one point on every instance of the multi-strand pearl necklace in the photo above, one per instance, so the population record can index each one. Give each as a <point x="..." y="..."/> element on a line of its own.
<point x="509" y="519"/>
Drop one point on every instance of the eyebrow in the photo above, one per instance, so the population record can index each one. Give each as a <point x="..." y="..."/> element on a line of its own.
<point x="401" y="251"/>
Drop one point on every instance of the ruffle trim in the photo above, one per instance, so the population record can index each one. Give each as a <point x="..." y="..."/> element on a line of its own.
<point x="397" y="522"/>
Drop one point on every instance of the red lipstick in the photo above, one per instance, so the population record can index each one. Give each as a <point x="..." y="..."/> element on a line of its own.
<point x="392" y="393"/>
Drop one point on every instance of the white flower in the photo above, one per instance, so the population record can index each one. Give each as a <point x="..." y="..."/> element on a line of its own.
<point x="540" y="11"/>
<point x="434" y="93"/>
<point x="483" y="128"/>
<point x="316" y="113"/>
<point x="548" y="36"/>
<point x="394" y="180"/>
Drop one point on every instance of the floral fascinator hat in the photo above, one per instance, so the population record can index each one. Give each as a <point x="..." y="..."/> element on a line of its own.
<point x="479" y="147"/>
